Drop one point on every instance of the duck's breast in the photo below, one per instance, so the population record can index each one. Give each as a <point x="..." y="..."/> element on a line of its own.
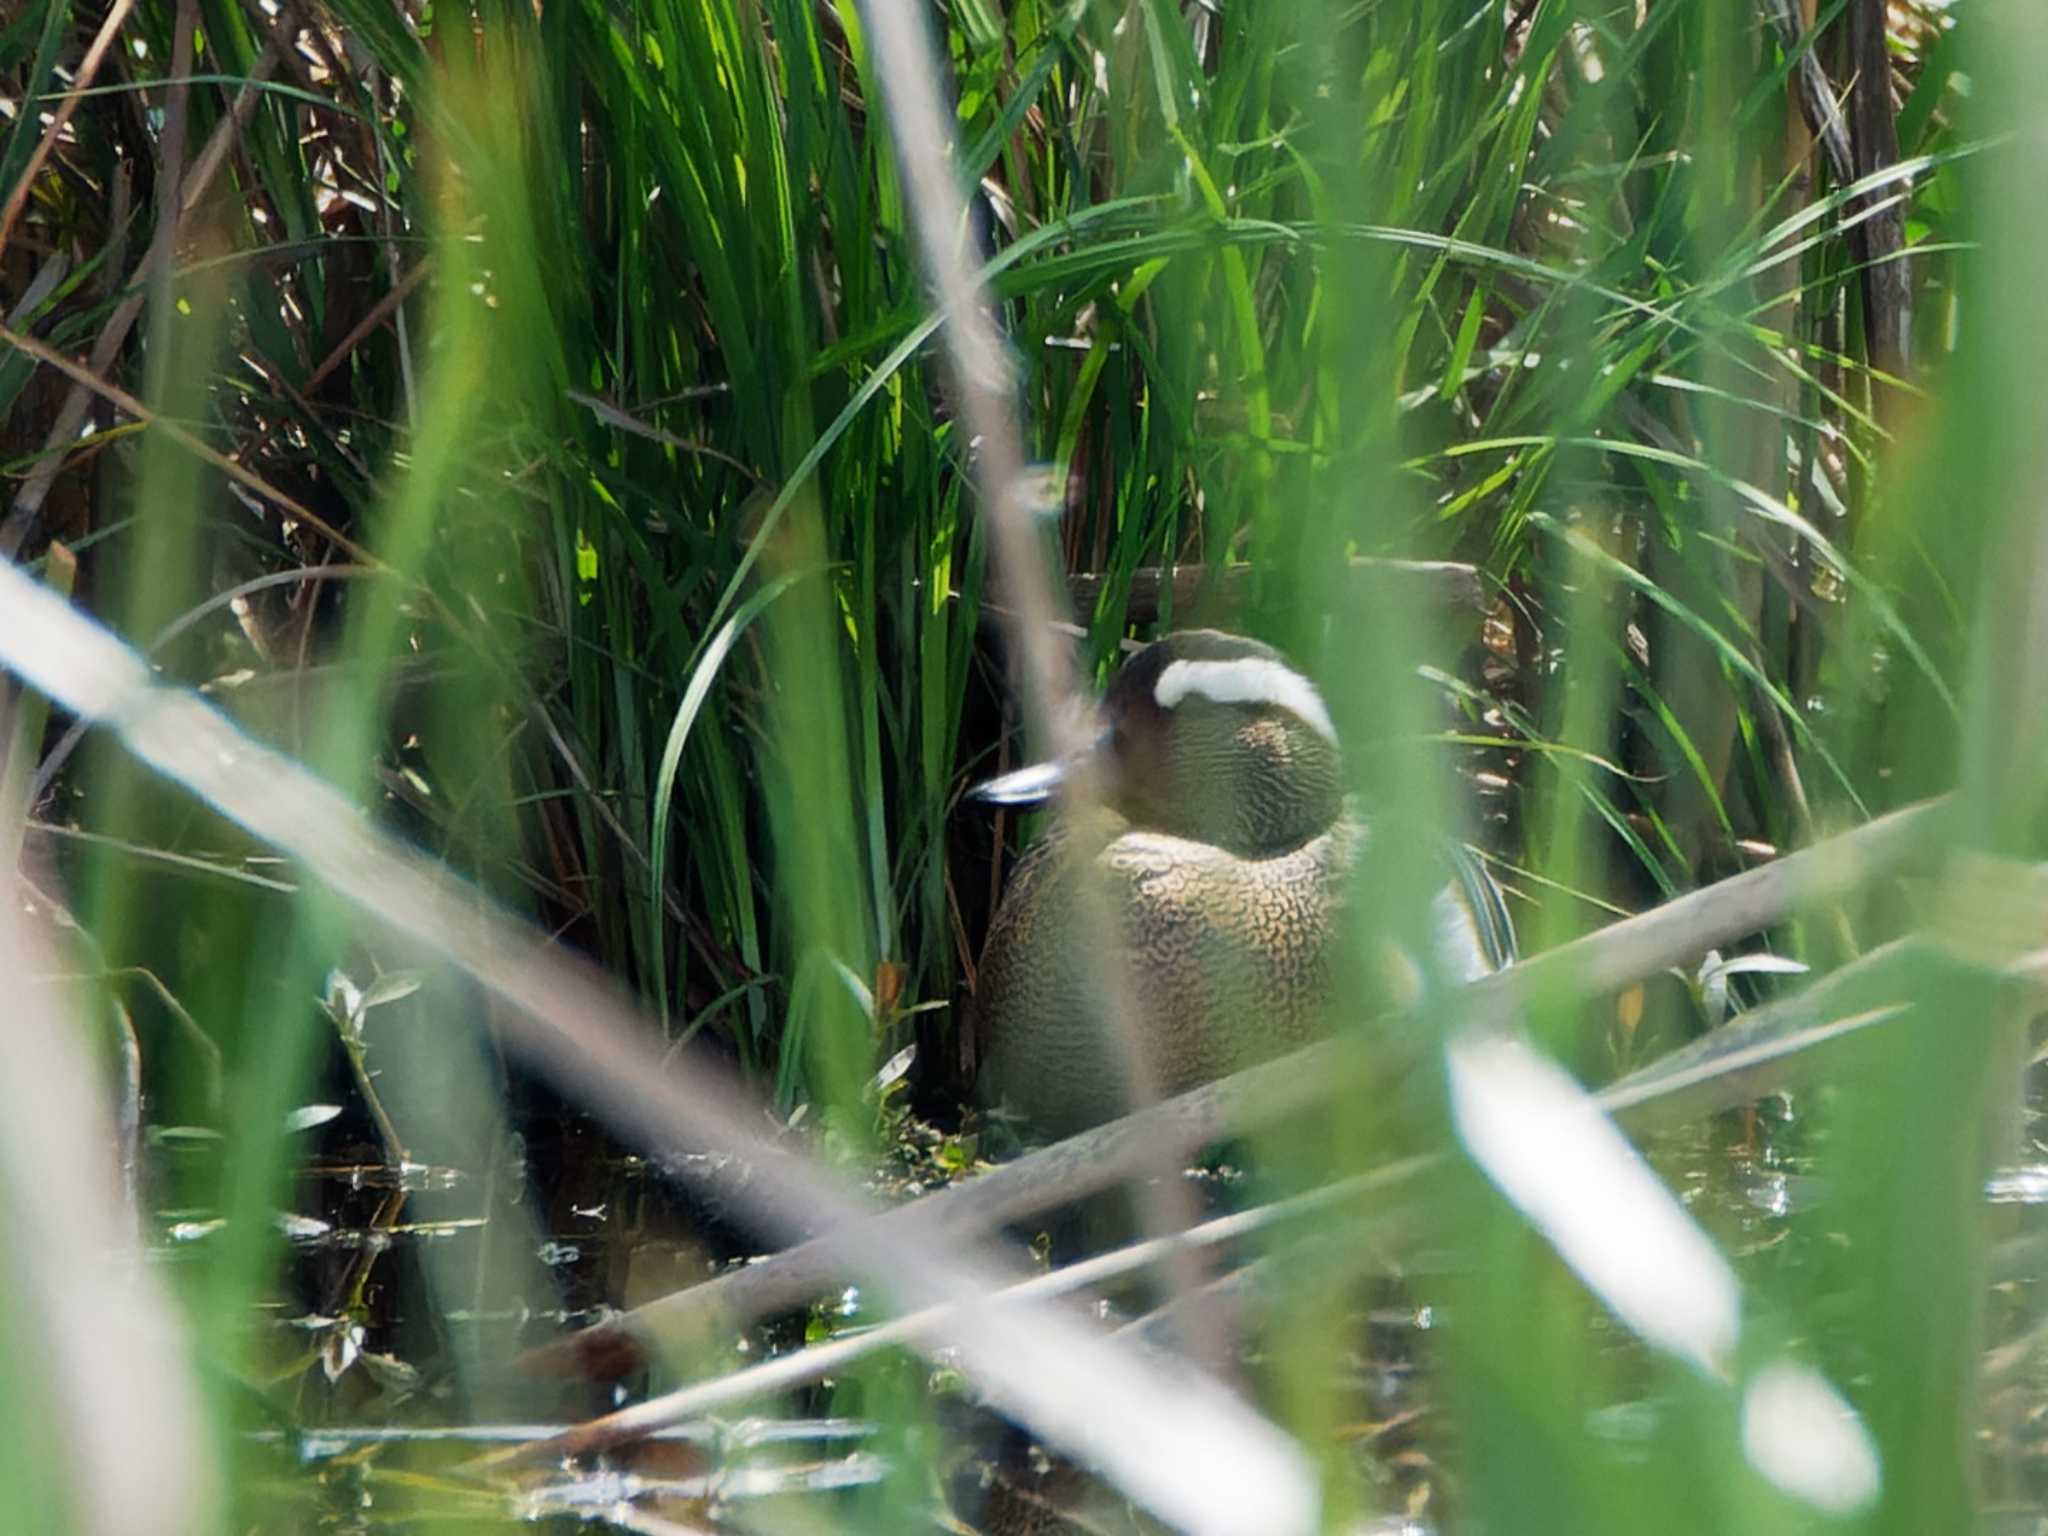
<point x="1225" y="962"/>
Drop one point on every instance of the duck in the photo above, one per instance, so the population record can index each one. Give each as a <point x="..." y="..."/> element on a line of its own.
<point x="1223" y="844"/>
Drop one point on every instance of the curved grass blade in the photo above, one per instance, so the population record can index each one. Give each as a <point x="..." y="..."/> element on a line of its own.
<point x="702" y="675"/>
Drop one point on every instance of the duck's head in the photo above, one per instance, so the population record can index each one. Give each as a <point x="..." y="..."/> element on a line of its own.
<point x="1209" y="736"/>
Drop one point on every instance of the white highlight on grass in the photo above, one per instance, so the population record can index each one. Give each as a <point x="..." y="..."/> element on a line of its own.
<point x="1540" y="1137"/>
<point x="1460" y="950"/>
<point x="1246" y="680"/>
<point x="1800" y="1436"/>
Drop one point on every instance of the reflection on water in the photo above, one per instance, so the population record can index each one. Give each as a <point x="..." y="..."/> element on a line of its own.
<point x="2018" y="1186"/>
<point x="408" y="1288"/>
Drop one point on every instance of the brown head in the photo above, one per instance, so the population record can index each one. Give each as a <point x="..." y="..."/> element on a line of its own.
<point x="1212" y="737"/>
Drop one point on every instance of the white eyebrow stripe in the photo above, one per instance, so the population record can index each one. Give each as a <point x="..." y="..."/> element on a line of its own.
<point x="1246" y="680"/>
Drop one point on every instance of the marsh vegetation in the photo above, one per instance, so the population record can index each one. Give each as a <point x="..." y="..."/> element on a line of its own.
<point x="575" y="492"/>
